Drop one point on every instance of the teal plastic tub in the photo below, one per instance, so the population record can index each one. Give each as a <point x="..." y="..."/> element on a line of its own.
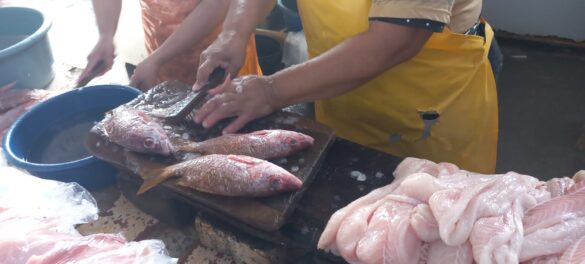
<point x="25" y="53"/>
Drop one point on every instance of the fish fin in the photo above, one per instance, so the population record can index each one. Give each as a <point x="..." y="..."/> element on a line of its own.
<point x="260" y="132"/>
<point x="152" y="173"/>
<point x="153" y="178"/>
<point x="243" y="159"/>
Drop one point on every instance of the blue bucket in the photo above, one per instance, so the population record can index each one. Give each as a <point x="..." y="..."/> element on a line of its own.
<point x="25" y="53"/>
<point x="290" y="13"/>
<point x="24" y="141"/>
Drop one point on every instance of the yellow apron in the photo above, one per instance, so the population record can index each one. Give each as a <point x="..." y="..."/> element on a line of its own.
<point x="160" y="18"/>
<point x="451" y="77"/>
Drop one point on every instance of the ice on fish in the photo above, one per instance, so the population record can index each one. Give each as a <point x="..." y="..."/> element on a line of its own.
<point x="379" y="174"/>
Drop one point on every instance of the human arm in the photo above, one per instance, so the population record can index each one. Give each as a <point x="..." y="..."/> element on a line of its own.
<point x="195" y="28"/>
<point x="339" y="70"/>
<point x="107" y="14"/>
<point x="229" y="50"/>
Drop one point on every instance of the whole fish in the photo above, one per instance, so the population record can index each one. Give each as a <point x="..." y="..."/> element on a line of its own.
<point x="263" y="144"/>
<point x="228" y="175"/>
<point x="136" y="131"/>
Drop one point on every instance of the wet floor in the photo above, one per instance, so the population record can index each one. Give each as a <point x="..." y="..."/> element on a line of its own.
<point x="542" y="110"/>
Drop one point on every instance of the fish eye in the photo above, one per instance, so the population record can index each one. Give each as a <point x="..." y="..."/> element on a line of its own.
<point x="149" y="143"/>
<point x="293" y="141"/>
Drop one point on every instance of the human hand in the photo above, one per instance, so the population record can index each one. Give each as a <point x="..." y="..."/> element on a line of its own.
<point x="228" y="51"/>
<point x="248" y="98"/>
<point x="99" y="60"/>
<point x="146" y="74"/>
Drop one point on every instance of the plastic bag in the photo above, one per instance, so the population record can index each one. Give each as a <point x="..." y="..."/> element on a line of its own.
<point x="37" y="225"/>
<point x="26" y="196"/>
<point x="295" y="49"/>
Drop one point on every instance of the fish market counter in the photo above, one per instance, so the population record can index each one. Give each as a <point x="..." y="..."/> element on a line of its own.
<point x="198" y="234"/>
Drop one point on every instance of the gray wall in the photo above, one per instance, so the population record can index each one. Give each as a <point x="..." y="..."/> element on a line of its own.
<point x="561" y="18"/>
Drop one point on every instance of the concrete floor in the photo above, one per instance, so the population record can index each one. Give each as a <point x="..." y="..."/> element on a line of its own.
<point x="542" y="112"/>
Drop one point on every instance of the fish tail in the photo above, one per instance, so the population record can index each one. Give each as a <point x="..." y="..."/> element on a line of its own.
<point x="153" y="178"/>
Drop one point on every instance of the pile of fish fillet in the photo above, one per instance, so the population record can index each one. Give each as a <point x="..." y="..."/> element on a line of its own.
<point x="14" y="102"/>
<point x="37" y="226"/>
<point x="437" y="213"/>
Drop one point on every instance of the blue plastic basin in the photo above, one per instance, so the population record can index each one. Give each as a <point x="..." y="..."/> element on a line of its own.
<point x="24" y="140"/>
<point x="25" y="53"/>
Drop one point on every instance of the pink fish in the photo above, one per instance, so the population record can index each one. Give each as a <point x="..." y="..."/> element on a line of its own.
<point x="136" y="131"/>
<point x="7" y="87"/>
<point x="228" y="175"/>
<point x="13" y="98"/>
<point x="263" y="144"/>
<point x="9" y="117"/>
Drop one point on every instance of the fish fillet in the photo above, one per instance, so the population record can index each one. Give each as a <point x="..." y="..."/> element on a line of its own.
<point x="552" y="240"/>
<point x="407" y="167"/>
<point x="440" y="253"/>
<point x="575" y="254"/>
<point x="555" y="210"/>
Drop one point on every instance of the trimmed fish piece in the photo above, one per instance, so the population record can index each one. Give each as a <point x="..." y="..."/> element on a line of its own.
<point x="263" y="144"/>
<point x="7" y="87"/>
<point x="12" y="98"/>
<point x="228" y="175"/>
<point x="9" y="117"/>
<point x="575" y="254"/>
<point x="407" y="167"/>
<point x="556" y="210"/>
<point x="136" y="131"/>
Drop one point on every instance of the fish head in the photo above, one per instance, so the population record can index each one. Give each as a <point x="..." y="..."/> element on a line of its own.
<point x="291" y="140"/>
<point x="277" y="178"/>
<point x="137" y="131"/>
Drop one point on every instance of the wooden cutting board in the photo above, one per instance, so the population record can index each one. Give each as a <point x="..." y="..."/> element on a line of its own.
<point x="268" y="213"/>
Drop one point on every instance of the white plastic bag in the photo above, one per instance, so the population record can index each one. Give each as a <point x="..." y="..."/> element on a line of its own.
<point x="295" y="49"/>
<point x="37" y="225"/>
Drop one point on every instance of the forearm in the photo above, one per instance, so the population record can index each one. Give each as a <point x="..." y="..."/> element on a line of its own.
<point x="195" y="28"/>
<point x="244" y="15"/>
<point x="348" y="65"/>
<point x="107" y="13"/>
